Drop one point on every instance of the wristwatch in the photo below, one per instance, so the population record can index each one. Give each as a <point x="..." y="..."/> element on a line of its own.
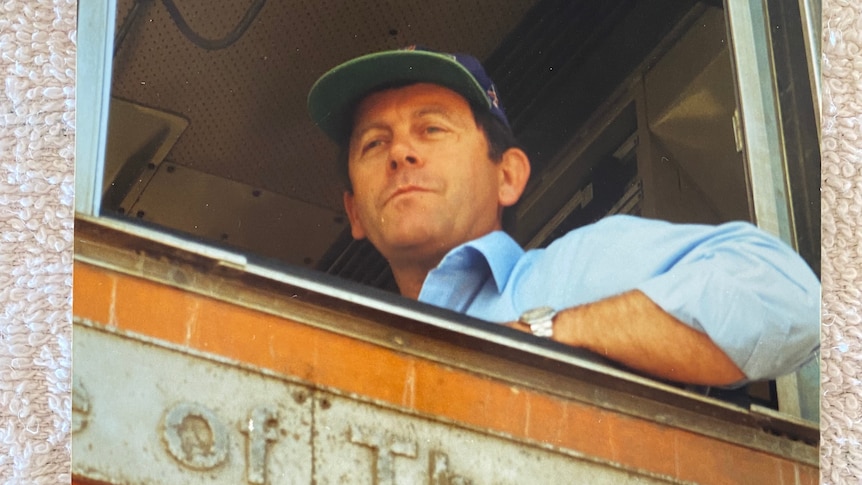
<point x="540" y="320"/>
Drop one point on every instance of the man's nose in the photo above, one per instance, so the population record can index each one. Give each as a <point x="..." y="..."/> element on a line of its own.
<point x="401" y="153"/>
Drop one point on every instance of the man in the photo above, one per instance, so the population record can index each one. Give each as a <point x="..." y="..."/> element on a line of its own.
<point x="432" y="164"/>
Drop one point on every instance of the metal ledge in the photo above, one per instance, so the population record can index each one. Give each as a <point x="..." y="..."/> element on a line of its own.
<point x="431" y="333"/>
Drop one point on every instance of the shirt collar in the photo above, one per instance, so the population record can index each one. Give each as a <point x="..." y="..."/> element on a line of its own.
<point x="500" y="251"/>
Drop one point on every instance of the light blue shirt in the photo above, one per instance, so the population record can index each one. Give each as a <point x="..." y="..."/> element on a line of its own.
<point x="748" y="291"/>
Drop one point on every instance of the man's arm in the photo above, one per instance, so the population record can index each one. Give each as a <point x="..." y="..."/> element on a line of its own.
<point x="632" y="330"/>
<point x="748" y="292"/>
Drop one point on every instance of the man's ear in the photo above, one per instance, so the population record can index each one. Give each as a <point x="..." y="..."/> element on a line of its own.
<point x="356" y="229"/>
<point x="514" y="170"/>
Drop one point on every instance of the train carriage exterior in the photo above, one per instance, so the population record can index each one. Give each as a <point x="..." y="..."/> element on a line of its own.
<point x="226" y="329"/>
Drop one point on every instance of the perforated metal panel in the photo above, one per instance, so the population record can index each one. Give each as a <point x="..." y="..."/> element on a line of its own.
<point x="246" y="102"/>
<point x="555" y="61"/>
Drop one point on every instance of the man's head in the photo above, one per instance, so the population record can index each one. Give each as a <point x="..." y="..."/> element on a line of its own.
<point x="430" y="155"/>
<point x="333" y="98"/>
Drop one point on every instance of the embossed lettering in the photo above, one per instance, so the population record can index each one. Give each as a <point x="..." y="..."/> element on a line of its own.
<point x="195" y="436"/>
<point x="439" y="473"/>
<point x="385" y="448"/>
<point x="261" y="429"/>
<point x="80" y="405"/>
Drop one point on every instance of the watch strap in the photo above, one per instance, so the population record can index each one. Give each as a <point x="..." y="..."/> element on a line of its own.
<point x="540" y="320"/>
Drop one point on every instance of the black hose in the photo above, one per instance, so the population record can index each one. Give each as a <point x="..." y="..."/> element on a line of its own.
<point x="209" y="44"/>
<point x="123" y="31"/>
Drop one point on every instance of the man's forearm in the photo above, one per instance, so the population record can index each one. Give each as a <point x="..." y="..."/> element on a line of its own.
<point x="632" y="330"/>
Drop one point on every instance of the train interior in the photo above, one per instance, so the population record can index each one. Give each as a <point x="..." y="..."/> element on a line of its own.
<point x="623" y="106"/>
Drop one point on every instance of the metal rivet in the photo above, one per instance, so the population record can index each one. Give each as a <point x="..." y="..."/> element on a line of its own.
<point x="300" y="397"/>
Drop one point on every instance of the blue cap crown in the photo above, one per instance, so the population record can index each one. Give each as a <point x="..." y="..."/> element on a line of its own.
<point x="334" y="96"/>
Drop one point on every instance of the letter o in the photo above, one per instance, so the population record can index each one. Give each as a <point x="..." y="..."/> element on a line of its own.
<point x="195" y="437"/>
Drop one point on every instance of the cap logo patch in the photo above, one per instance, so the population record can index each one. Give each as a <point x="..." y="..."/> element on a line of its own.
<point x="492" y="95"/>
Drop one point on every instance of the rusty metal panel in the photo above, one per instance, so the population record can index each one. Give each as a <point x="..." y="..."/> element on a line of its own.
<point x="689" y="110"/>
<point x="360" y="441"/>
<point x="147" y="413"/>
<point x="239" y="215"/>
<point x="140" y="140"/>
<point x="143" y="414"/>
<point x="246" y="102"/>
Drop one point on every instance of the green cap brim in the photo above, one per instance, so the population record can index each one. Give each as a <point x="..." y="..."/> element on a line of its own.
<point x="334" y="96"/>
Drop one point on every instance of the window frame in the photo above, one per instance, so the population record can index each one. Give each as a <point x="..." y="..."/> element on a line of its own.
<point x="97" y="20"/>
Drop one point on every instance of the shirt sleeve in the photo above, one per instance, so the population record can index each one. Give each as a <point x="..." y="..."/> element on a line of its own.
<point x="748" y="291"/>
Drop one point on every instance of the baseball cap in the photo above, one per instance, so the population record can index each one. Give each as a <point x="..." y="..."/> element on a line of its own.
<point x="334" y="96"/>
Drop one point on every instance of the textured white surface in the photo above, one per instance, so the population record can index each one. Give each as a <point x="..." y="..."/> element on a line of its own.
<point x="841" y="208"/>
<point x="37" y="58"/>
<point x="37" y="53"/>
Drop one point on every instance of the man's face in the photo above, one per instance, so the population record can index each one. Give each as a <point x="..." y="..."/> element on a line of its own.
<point x="422" y="180"/>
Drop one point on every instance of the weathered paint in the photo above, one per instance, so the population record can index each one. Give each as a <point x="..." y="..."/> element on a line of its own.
<point x="161" y="415"/>
<point x="282" y="347"/>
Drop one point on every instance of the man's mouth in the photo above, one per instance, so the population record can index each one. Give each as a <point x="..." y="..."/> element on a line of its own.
<point x="407" y="189"/>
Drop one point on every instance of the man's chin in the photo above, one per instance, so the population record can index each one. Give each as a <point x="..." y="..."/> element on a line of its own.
<point x="414" y="244"/>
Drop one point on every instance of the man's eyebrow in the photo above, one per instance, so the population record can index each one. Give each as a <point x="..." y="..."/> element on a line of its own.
<point x="434" y="109"/>
<point x="449" y="115"/>
<point x="365" y="127"/>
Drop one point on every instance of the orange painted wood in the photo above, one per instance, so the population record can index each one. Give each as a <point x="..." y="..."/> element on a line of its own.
<point x="327" y="359"/>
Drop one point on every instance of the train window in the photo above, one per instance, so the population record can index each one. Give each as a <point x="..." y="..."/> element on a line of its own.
<point x="197" y="127"/>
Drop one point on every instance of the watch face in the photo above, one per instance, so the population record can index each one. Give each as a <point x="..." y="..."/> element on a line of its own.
<point x="538" y="314"/>
<point x="540" y="320"/>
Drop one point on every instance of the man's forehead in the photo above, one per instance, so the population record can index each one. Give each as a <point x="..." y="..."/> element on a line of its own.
<point x="413" y="93"/>
<point x="414" y="99"/>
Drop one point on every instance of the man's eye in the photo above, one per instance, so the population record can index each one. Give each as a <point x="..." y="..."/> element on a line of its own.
<point x="433" y="129"/>
<point x="371" y="145"/>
